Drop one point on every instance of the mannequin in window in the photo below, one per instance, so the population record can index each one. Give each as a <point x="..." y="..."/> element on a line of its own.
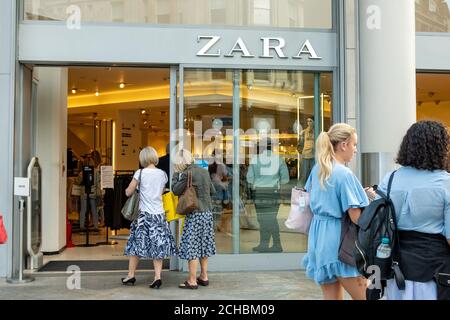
<point x="306" y="150"/>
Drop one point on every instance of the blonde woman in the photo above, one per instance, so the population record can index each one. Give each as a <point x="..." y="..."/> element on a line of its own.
<point x="197" y="240"/>
<point x="335" y="192"/>
<point x="150" y="236"/>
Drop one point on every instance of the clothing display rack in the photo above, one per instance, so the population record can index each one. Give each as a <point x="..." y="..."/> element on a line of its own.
<point x="107" y="242"/>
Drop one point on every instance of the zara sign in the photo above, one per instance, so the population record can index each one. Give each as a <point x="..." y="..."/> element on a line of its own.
<point x="270" y="46"/>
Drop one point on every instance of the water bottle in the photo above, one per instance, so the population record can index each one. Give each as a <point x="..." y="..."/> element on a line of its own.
<point x="384" y="249"/>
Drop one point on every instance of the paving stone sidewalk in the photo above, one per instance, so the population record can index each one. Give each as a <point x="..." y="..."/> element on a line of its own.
<point x="275" y="285"/>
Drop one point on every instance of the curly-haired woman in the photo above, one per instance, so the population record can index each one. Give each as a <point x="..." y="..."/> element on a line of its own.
<point x="421" y="196"/>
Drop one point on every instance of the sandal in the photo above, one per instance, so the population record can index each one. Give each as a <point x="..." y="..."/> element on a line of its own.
<point x="203" y="283"/>
<point x="186" y="285"/>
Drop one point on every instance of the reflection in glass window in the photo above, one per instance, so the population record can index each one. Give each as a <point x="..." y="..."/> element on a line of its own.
<point x="283" y="14"/>
<point x="432" y="16"/>
<point x="282" y="109"/>
<point x="261" y="12"/>
<point x="163" y="12"/>
<point x="218" y="12"/>
<point x="208" y="104"/>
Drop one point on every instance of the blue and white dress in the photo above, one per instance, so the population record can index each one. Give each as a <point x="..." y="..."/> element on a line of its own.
<point x="422" y="203"/>
<point x="343" y="191"/>
<point x="150" y="235"/>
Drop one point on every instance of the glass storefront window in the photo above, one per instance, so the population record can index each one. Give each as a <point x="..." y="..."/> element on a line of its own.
<point x="432" y="16"/>
<point x="273" y="13"/>
<point x="208" y="119"/>
<point x="281" y="106"/>
<point x="277" y="116"/>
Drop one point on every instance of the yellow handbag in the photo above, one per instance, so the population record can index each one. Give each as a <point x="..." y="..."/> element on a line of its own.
<point x="170" y="202"/>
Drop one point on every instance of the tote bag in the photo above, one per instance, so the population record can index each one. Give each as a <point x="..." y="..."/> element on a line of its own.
<point x="3" y="234"/>
<point x="130" y="209"/>
<point x="188" y="201"/>
<point x="170" y="202"/>
<point x="300" y="215"/>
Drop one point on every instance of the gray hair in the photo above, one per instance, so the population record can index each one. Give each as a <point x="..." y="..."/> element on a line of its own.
<point x="148" y="156"/>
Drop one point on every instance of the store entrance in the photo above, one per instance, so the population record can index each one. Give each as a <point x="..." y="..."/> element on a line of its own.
<point x="107" y="114"/>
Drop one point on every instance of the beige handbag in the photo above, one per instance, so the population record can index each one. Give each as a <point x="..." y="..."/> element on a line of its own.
<point x="130" y="209"/>
<point x="188" y="201"/>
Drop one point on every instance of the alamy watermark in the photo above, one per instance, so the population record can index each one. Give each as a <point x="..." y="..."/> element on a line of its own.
<point x="73" y="282"/>
<point x="373" y="21"/>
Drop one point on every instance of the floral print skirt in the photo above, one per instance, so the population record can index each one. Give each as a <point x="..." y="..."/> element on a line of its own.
<point x="150" y="237"/>
<point x="197" y="240"/>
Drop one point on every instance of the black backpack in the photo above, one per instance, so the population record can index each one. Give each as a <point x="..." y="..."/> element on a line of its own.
<point x="378" y="221"/>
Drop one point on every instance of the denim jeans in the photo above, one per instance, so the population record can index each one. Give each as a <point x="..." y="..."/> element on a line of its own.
<point x="93" y="205"/>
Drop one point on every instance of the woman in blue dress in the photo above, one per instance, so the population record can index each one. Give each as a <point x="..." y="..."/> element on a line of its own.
<point x="335" y="191"/>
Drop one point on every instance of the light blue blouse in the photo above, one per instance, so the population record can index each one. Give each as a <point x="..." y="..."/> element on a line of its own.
<point x="343" y="191"/>
<point x="421" y="199"/>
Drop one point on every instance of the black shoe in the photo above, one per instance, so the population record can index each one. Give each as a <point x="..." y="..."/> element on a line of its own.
<point x="156" y="284"/>
<point x="203" y="283"/>
<point x="126" y="281"/>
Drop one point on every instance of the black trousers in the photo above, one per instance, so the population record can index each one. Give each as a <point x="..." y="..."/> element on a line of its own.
<point x="267" y="203"/>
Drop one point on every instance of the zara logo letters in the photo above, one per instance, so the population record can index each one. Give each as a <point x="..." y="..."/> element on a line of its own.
<point x="270" y="46"/>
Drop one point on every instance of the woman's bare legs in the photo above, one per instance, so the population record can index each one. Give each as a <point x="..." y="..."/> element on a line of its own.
<point x="192" y="264"/>
<point x="157" y="264"/>
<point x="204" y="268"/>
<point x="332" y="291"/>
<point x="132" y="265"/>
<point x="356" y="287"/>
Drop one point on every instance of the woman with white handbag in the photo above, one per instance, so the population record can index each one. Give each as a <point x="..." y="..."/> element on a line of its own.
<point x="334" y="191"/>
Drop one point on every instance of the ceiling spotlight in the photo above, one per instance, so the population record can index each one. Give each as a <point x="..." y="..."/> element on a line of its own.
<point x="74" y="90"/>
<point x="97" y="93"/>
<point x="143" y="111"/>
<point x="122" y="85"/>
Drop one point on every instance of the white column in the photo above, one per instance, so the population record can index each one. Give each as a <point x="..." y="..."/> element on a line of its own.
<point x="349" y="67"/>
<point x="387" y="81"/>
<point x="7" y="87"/>
<point x="51" y="149"/>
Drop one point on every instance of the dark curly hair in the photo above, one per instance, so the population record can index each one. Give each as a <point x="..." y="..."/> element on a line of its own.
<point x="425" y="146"/>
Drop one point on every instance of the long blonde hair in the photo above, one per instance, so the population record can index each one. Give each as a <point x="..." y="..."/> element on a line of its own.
<point x="325" y="147"/>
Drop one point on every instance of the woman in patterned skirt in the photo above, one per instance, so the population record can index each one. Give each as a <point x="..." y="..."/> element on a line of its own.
<point x="197" y="240"/>
<point x="150" y="236"/>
